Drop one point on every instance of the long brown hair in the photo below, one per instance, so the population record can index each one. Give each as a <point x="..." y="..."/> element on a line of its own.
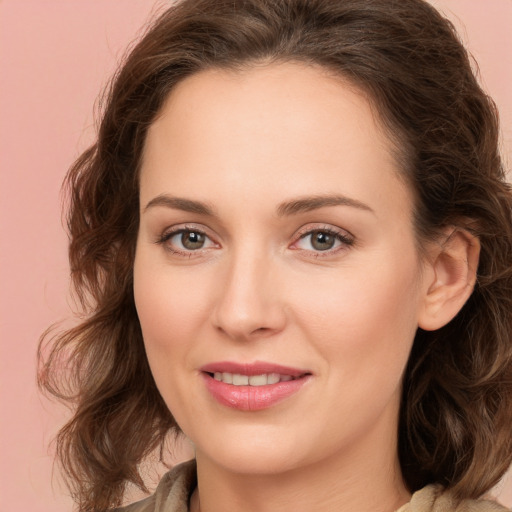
<point x="456" y="412"/>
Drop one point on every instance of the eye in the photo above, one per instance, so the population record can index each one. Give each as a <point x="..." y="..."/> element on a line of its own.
<point x="190" y="240"/>
<point x="321" y="240"/>
<point x="185" y="240"/>
<point x="327" y="240"/>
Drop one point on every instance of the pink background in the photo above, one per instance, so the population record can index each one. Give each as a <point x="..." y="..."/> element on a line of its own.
<point x="55" y="55"/>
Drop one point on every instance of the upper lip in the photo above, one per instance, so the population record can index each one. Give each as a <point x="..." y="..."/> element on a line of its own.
<point x="255" y="368"/>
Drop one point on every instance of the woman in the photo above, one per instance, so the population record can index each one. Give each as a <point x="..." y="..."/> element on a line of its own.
<point x="293" y="243"/>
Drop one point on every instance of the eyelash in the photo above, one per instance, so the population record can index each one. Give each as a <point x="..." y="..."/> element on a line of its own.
<point x="167" y="235"/>
<point x="346" y="240"/>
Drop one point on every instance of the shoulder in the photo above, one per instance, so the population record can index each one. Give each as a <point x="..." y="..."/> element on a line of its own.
<point x="434" y="498"/>
<point x="172" y="493"/>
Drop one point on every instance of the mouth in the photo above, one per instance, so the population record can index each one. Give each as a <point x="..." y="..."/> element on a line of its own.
<point x="252" y="387"/>
<point x="265" y="379"/>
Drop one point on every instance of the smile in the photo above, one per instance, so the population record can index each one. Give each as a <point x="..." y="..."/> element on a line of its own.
<point x="237" y="379"/>
<point x="252" y="387"/>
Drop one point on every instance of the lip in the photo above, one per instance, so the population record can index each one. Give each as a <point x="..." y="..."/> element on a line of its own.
<point x="253" y="398"/>
<point x="256" y="368"/>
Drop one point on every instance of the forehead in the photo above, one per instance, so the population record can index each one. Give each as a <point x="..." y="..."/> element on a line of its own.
<point x="279" y="128"/>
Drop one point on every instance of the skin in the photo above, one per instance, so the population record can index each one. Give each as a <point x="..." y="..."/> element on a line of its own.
<point x="258" y="289"/>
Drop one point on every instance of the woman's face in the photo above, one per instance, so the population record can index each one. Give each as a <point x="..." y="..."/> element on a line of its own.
<point x="277" y="280"/>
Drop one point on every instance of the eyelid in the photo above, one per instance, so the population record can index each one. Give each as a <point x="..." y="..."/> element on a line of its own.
<point x="329" y="228"/>
<point x="171" y="231"/>
<point x="345" y="237"/>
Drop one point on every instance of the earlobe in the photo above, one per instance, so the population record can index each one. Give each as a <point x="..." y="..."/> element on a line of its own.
<point x="452" y="278"/>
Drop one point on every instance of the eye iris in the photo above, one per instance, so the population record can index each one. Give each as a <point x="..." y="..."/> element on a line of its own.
<point x="192" y="240"/>
<point x="322" y="241"/>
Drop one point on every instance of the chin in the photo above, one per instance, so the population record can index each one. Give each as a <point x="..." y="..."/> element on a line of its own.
<point x="256" y="451"/>
<point x="253" y="462"/>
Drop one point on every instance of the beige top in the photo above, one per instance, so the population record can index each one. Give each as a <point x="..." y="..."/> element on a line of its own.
<point x="176" y="486"/>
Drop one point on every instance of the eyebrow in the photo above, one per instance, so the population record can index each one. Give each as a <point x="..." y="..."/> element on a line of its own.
<point x="180" y="203"/>
<point x="287" y="208"/>
<point x="306" y="204"/>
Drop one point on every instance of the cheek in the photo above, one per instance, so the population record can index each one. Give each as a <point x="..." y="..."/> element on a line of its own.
<point x="171" y="311"/>
<point x="171" y="306"/>
<point x="363" y="317"/>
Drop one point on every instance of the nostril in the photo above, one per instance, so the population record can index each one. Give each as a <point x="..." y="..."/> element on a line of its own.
<point x="262" y="329"/>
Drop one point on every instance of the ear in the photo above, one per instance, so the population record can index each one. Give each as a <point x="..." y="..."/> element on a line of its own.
<point x="449" y="279"/>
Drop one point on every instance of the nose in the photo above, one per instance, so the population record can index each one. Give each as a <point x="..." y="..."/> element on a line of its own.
<point x="250" y="304"/>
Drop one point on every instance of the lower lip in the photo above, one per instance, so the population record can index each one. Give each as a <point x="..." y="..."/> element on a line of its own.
<point x="252" y="398"/>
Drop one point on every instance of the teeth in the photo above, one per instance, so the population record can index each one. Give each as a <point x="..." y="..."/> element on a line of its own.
<point x="273" y="378"/>
<point x="227" y="378"/>
<point x="237" y="379"/>
<point x="257" y="380"/>
<point x="240" y="380"/>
